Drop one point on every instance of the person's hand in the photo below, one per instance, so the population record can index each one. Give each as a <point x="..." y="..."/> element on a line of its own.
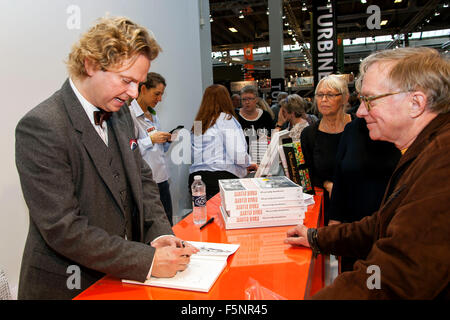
<point x="169" y="260"/>
<point x="252" y="167"/>
<point x="281" y="117"/>
<point x="173" y="136"/>
<point x="297" y="236"/>
<point x="172" y="241"/>
<point x="167" y="241"/>
<point x="328" y="185"/>
<point x="160" y="137"/>
<point x="333" y="222"/>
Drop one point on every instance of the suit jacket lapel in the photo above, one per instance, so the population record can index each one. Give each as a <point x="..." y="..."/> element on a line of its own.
<point x="90" y="139"/>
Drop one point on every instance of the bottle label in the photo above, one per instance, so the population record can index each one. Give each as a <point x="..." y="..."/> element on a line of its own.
<point x="199" y="201"/>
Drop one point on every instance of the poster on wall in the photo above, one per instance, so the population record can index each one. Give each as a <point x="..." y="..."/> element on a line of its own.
<point x="324" y="41"/>
<point x="236" y="86"/>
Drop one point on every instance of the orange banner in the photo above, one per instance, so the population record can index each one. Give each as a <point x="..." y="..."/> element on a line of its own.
<point x="248" y="52"/>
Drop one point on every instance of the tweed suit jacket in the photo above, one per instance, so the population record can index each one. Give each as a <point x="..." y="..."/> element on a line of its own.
<point x="76" y="215"/>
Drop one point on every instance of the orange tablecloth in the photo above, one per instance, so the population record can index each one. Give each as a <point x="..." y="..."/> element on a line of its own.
<point x="262" y="268"/>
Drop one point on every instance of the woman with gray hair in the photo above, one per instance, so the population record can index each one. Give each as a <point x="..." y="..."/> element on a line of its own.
<point x="320" y="141"/>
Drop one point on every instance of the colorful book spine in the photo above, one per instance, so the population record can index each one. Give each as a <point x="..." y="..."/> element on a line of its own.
<point x="298" y="170"/>
<point x="292" y="164"/>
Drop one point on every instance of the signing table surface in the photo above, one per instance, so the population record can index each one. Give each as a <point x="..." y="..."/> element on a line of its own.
<point x="262" y="268"/>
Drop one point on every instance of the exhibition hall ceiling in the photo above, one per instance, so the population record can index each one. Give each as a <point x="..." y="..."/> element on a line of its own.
<point x="250" y="19"/>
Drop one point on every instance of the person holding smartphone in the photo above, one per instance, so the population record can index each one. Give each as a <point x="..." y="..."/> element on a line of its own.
<point x="153" y="143"/>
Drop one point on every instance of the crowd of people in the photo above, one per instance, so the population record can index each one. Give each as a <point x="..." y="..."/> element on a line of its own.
<point x="94" y="177"/>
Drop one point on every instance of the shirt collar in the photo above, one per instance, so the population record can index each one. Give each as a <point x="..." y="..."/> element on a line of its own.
<point x="88" y="107"/>
<point x="136" y="108"/>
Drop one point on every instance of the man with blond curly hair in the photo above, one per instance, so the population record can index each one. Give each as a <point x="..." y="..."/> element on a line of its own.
<point x="94" y="206"/>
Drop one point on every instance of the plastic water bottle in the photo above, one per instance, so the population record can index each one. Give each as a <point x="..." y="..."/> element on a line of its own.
<point x="198" y="200"/>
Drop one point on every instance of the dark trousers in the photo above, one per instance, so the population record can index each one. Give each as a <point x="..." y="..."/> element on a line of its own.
<point x="211" y="180"/>
<point x="166" y="199"/>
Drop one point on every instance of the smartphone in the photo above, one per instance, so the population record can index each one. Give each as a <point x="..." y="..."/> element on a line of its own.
<point x="177" y="128"/>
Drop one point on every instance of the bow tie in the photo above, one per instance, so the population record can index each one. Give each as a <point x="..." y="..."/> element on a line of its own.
<point x="100" y="116"/>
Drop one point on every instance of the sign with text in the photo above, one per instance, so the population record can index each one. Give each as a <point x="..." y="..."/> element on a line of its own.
<point x="324" y="42"/>
<point x="276" y="86"/>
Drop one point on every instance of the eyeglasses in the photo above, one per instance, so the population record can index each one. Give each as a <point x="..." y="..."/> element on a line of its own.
<point x="329" y="96"/>
<point x="247" y="99"/>
<point x="367" y="100"/>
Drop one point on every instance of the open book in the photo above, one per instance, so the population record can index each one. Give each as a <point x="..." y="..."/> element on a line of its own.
<point x="203" y="270"/>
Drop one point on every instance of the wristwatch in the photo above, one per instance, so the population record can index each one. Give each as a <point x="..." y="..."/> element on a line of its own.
<point x="312" y="240"/>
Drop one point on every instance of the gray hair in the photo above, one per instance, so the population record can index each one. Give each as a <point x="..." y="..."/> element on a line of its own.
<point x="282" y="95"/>
<point x="335" y="82"/>
<point x="250" y="89"/>
<point x="296" y="104"/>
<point x="415" y="69"/>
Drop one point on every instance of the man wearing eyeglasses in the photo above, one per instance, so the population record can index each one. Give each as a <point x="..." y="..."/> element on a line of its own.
<point x="404" y="247"/>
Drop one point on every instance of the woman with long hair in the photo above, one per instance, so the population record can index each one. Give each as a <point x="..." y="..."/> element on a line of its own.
<point x="218" y="146"/>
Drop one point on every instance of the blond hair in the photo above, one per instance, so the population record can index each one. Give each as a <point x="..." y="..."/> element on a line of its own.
<point x="413" y="69"/>
<point x="109" y="44"/>
<point x="263" y="105"/>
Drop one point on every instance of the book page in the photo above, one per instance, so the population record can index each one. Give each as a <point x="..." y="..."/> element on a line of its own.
<point x="275" y="182"/>
<point x="203" y="270"/>
<point x="213" y="249"/>
<point x="231" y="185"/>
<point x="308" y="199"/>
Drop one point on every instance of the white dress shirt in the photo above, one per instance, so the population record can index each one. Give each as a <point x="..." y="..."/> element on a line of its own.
<point x="221" y="148"/>
<point x="90" y="108"/>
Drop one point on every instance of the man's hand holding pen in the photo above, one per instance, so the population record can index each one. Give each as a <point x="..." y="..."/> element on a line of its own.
<point x="171" y="255"/>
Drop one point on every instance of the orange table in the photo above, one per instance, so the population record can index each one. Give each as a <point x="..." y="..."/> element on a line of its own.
<point x="262" y="268"/>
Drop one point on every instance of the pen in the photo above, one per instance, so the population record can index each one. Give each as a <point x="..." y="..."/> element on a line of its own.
<point x="206" y="223"/>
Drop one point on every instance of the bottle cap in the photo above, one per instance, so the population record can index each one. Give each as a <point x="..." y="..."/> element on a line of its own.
<point x="197" y="177"/>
